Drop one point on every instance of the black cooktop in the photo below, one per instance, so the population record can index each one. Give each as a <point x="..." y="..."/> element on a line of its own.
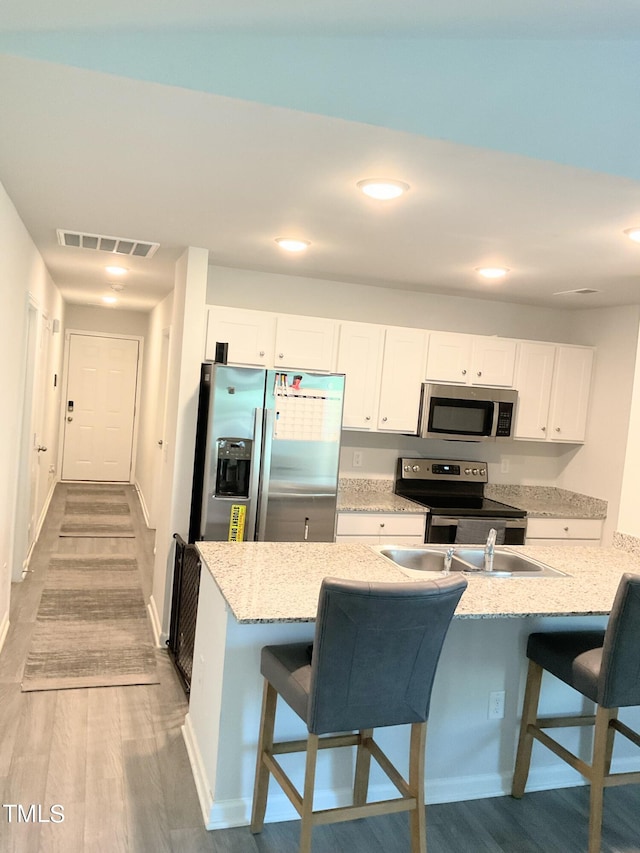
<point x="459" y="505"/>
<point x="450" y="487"/>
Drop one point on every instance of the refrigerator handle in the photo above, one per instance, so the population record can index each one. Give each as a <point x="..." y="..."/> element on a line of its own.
<point x="267" y="422"/>
<point x="254" y="479"/>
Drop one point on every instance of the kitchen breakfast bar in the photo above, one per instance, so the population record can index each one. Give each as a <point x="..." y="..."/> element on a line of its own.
<point x="257" y="593"/>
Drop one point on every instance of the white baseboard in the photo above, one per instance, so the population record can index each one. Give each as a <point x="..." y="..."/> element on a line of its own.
<point x="199" y="774"/>
<point x="4" y="629"/>
<point x="143" y="504"/>
<point x="236" y="812"/>
<point x="156" y="626"/>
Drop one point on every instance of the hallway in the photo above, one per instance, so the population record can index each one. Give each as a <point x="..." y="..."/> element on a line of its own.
<point x="115" y="760"/>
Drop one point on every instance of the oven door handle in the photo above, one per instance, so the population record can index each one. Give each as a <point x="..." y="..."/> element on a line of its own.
<point x="446" y="521"/>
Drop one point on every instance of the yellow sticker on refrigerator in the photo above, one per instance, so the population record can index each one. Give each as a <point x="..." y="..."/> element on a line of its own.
<point x="236" y="523"/>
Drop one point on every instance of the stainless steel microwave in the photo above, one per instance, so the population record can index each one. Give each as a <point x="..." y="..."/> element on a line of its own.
<point x="466" y="413"/>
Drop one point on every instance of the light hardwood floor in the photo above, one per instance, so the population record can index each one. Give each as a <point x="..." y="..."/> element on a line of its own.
<point x="115" y="759"/>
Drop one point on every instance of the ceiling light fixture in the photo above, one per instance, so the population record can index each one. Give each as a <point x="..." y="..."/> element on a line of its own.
<point x="492" y="272"/>
<point x="382" y="189"/>
<point x="109" y="299"/>
<point x="117" y="270"/>
<point x="633" y="234"/>
<point x="291" y="244"/>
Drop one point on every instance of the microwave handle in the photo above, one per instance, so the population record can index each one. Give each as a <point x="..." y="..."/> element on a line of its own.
<point x="496" y="413"/>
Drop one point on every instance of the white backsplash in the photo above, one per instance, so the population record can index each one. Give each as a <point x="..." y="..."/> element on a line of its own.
<point x="513" y="462"/>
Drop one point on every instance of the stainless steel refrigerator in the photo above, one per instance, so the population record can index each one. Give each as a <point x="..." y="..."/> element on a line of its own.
<point x="267" y="455"/>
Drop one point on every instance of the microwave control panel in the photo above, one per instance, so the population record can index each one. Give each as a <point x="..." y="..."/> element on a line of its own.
<point x="505" y="419"/>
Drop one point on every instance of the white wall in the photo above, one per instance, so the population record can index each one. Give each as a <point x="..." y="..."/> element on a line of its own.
<point x="22" y="272"/>
<point x="153" y="382"/>
<point x="597" y="468"/>
<point x="292" y="294"/>
<point x="188" y="321"/>
<point x="111" y="321"/>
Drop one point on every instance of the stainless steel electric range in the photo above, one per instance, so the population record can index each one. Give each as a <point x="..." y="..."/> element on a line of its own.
<point x="454" y="490"/>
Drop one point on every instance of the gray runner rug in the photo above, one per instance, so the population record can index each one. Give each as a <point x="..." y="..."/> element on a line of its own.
<point x="92" y="628"/>
<point x="96" y="511"/>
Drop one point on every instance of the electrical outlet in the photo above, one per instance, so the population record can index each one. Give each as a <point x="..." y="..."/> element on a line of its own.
<point x="505" y="465"/>
<point x="496" y="705"/>
<point x="357" y="459"/>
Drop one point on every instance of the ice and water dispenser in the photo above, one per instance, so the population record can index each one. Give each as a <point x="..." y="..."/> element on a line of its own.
<point x="233" y="470"/>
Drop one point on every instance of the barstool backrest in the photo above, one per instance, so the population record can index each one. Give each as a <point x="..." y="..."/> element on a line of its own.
<point x="376" y="650"/>
<point x="619" y="684"/>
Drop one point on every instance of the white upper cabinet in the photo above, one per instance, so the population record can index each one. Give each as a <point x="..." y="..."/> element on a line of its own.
<point x="249" y="334"/>
<point x="534" y="375"/>
<point x="570" y="393"/>
<point x="470" y="359"/>
<point x="360" y="359"/>
<point x="402" y="375"/>
<point x="553" y="384"/>
<point x="307" y="343"/>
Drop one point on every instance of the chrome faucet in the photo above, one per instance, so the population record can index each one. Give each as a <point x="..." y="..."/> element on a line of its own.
<point x="489" y="550"/>
<point x="448" y="557"/>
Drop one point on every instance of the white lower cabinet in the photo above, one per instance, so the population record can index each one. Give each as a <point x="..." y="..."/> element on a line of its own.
<point x="571" y="531"/>
<point x="378" y="528"/>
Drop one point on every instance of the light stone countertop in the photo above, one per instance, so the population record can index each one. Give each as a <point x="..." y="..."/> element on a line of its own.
<point x="368" y="495"/>
<point x="280" y="581"/>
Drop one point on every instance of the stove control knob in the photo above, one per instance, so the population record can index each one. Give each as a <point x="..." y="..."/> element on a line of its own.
<point x="407" y="468"/>
<point x="483" y="471"/>
<point x="467" y="471"/>
<point x="475" y="472"/>
<point x="416" y="468"/>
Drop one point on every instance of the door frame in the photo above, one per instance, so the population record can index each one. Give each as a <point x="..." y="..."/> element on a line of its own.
<point x="22" y="547"/>
<point x="64" y="397"/>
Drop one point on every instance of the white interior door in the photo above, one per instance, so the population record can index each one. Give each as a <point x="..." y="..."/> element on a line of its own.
<point x="99" y="406"/>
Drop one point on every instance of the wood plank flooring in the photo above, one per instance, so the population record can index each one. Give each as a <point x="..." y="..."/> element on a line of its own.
<point x="114" y="758"/>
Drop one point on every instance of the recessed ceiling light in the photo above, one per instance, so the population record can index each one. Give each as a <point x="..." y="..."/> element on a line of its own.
<point x="117" y="270"/>
<point x="290" y="244"/>
<point x="382" y="189"/>
<point x="492" y="272"/>
<point x="117" y="286"/>
<point x="633" y="234"/>
<point x="109" y="299"/>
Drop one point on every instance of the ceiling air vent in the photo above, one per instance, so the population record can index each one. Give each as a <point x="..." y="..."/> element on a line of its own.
<point x="581" y="291"/>
<point x="101" y="243"/>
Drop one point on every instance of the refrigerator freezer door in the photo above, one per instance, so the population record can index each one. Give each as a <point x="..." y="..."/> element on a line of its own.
<point x="230" y="503"/>
<point x="302" y="454"/>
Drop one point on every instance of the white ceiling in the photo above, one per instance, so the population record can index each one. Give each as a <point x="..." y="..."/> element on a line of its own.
<point x="101" y="154"/>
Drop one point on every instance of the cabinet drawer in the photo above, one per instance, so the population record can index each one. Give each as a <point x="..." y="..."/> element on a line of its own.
<point x="564" y="528"/>
<point x="379" y="524"/>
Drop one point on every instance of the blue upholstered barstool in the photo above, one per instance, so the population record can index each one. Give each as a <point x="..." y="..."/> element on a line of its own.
<point x="605" y="667"/>
<point x="374" y="659"/>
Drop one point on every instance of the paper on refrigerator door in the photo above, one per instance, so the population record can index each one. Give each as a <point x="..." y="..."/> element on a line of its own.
<point x="309" y="415"/>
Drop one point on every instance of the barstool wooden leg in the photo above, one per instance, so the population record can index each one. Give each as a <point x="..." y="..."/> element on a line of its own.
<point x="601" y="755"/>
<point x="306" y="827"/>
<point x="418" y="820"/>
<point x="529" y="716"/>
<point x="265" y="743"/>
<point x="363" y="765"/>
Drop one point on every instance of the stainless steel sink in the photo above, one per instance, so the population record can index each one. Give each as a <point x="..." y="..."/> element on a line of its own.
<point x="429" y="560"/>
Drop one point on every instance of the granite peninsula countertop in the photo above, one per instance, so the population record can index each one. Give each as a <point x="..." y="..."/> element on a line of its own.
<point x="280" y="581"/>
<point x="377" y="495"/>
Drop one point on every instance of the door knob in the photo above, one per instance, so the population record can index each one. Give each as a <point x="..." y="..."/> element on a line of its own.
<point x="69" y="419"/>
<point x="41" y="448"/>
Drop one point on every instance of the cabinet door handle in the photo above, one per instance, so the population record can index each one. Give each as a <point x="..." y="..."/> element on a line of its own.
<point x="368" y="418"/>
<point x="280" y="355"/>
<point x="566" y="529"/>
<point x="557" y="429"/>
<point x="384" y="419"/>
<point x="544" y="429"/>
<point x="262" y="353"/>
<point x="464" y="372"/>
<point x="479" y="373"/>
<point x="382" y="524"/>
